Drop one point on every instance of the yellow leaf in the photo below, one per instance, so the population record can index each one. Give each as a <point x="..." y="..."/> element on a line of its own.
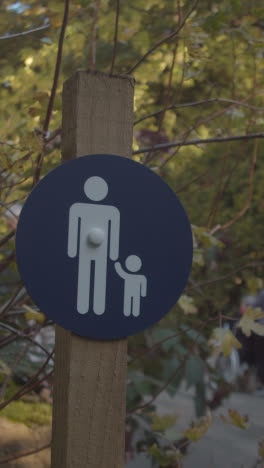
<point x="198" y="429"/>
<point x="248" y="322"/>
<point x="254" y="284"/>
<point x="32" y="314"/>
<point x="161" y="423"/>
<point x="187" y="305"/>
<point x="236" y="419"/>
<point x="223" y="341"/>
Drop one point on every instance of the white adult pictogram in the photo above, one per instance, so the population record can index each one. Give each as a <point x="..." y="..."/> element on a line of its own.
<point x="135" y="285"/>
<point x="93" y="226"/>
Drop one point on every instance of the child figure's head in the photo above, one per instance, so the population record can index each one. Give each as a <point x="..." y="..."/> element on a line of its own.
<point x="133" y="263"/>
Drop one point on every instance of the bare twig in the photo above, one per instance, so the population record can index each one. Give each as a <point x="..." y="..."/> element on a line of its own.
<point x="24" y="454"/>
<point x="200" y="103"/>
<point x="165" y="39"/>
<point x="167" y="98"/>
<point x="163" y="146"/>
<point x="225" y="277"/>
<point x="54" y="88"/>
<point x="21" y="334"/>
<point x="250" y="194"/>
<point x="18" y="359"/>
<point x="6" y="238"/>
<point x="9" y="209"/>
<point x="25" y="33"/>
<point x="32" y="383"/>
<point x="4" y="264"/>
<point x="115" y="37"/>
<point x="94" y="33"/>
<point x="18" y="294"/>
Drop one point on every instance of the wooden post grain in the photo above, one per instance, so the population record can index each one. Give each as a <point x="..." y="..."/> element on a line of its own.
<point x="90" y="375"/>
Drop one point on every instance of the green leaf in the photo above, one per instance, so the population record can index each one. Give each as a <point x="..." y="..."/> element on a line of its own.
<point x="194" y="371"/>
<point x="165" y="458"/>
<point x="160" y="334"/>
<point x="193" y="334"/>
<point x="140" y="382"/>
<point x="200" y="399"/>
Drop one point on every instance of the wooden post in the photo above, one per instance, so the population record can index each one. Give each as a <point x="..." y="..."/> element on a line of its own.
<point x="90" y="375"/>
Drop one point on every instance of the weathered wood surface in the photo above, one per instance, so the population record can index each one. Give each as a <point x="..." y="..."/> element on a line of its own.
<point x="90" y="375"/>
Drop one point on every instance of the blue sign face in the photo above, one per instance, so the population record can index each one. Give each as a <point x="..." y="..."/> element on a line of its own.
<point x="104" y="246"/>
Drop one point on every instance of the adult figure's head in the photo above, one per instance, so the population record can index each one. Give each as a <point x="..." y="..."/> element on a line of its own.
<point x="95" y="188"/>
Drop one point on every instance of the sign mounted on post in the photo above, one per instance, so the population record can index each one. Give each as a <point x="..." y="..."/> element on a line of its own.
<point x="104" y="246"/>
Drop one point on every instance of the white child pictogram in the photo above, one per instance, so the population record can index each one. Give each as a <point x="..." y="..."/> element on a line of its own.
<point x="95" y="228"/>
<point x="135" y="285"/>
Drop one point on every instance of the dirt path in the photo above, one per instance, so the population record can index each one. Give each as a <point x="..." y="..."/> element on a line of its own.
<point x="223" y="446"/>
<point x="16" y="438"/>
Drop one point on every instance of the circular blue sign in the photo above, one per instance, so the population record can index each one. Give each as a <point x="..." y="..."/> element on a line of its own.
<point x="104" y="246"/>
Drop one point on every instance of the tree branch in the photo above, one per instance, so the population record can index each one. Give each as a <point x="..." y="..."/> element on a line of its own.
<point x="166" y="39"/>
<point x="94" y="28"/>
<point x="115" y="37"/>
<point x="54" y="88"/>
<point x="25" y="454"/>
<point x="225" y="277"/>
<point x="32" y="383"/>
<point x="200" y="103"/>
<point x="198" y="141"/>
<point x="6" y="238"/>
<point x="248" y="202"/>
<point x="25" y="33"/>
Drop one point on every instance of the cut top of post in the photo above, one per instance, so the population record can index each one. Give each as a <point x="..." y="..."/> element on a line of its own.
<point x="97" y="115"/>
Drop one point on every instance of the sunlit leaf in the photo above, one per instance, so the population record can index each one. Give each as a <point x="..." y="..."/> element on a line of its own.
<point x="199" y="428"/>
<point x="254" y="284"/>
<point x="198" y="257"/>
<point x="248" y="322"/>
<point x="223" y="340"/>
<point x="161" y="423"/>
<point x="235" y="419"/>
<point x="32" y="314"/>
<point x="187" y="305"/>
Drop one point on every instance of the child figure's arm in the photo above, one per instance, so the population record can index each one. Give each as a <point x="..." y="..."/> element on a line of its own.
<point x="143" y="286"/>
<point x="120" y="270"/>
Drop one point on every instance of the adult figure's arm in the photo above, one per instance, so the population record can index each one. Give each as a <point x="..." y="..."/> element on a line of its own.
<point x="114" y="234"/>
<point x="143" y="288"/>
<point x="73" y="231"/>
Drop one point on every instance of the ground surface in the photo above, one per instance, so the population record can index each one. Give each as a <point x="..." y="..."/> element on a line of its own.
<point x="223" y="446"/>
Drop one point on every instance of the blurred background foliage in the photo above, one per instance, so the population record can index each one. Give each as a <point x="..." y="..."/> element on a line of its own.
<point x="204" y="83"/>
